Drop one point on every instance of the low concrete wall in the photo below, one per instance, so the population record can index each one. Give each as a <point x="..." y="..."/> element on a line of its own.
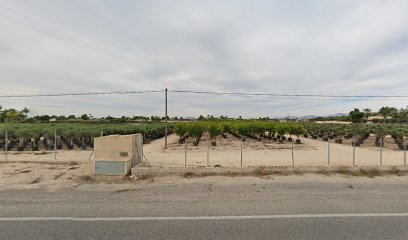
<point x="259" y="170"/>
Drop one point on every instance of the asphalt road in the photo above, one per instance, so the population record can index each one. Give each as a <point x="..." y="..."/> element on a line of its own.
<point x="296" y="207"/>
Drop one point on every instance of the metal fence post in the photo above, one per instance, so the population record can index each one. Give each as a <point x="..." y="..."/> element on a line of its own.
<point x="293" y="157"/>
<point x="328" y="152"/>
<point x="354" y="153"/>
<point x="241" y="151"/>
<point x="208" y="154"/>
<point x="185" y="154"/>
<point x="165" y="118"/>
<point x="6" y="145"/>
<point x="405" y="152"/>
<point x="381" y="148"/>
<point x="55" y="144"/>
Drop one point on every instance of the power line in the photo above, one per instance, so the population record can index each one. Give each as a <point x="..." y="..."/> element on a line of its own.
<point x="79" y="94"/>
<point x="277" y="95"/>
<point x="288" y="95"/>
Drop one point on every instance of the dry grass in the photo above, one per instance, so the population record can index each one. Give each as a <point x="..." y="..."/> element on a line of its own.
<point x="86" y="178"/>
<point x="188" y="174"/>
<point x="37" y="180"/>
<point x="147" y="176"/>
<point x="370" y="172"/>
<point x="124" y="190"/>
<point x="42" y="153"/>
<point x="58" y="176"/>
<point x="263" y="171"/>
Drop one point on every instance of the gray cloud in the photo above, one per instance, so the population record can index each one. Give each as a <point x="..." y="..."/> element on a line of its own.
<point x="311" y="47"/>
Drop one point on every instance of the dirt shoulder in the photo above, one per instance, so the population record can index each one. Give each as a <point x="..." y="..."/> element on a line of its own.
<point x="52" y="176"/>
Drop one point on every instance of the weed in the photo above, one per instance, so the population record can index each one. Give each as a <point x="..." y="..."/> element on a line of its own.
<point x="188" y="174"/>
<point x="395" y="170"/>
<point x="370" y="172"/>
<point x="344" y="170"/>
<point x="86" y="178"/>
<point x="147" y="176"/>
<point x="324" y="172"/>
<point x="42" y="153"/>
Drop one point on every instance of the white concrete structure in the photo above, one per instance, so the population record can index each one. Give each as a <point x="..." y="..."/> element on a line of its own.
<point x="116" y="154"/>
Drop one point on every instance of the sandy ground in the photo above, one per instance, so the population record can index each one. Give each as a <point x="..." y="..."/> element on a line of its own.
<point x="30" y="170"/>
<point x="40" y="169"/>
<point x="62" y="155"/>
<point x="254" y="153"/>
<point x="52" y="176"/>
<point x="228" y="153"/>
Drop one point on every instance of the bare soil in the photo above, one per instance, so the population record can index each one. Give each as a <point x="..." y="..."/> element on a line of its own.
<point x="310" y="152"/>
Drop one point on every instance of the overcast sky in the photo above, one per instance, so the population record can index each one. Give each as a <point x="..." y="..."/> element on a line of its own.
<point x="293" y="47"/>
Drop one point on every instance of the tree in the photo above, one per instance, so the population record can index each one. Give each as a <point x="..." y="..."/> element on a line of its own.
<point x="25" y="111"/>
<point x="2" y="114"/>
<point x="214" y="129"/>
<point x="13" y="115"/>
<point x="367" y="113"/>
<point x="84" y="116"/>
<point x="403" y="113"/>
<point x="155" y="118"/>
<point x="356" y="116"/>
<point x="387" y="111"/>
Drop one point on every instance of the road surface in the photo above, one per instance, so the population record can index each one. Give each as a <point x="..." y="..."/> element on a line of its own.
<point x="276" y="207"/>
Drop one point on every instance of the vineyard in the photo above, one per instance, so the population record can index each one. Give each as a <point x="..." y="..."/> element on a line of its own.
<point x="281" y="132"/>
<point x="358" y="132"/>
<point x="74" y="136"/>
<point x="41" y="136"/>
<point x="241" y="129"/>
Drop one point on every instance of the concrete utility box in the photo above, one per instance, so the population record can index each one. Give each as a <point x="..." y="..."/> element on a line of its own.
<point x="116" y="154"/>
